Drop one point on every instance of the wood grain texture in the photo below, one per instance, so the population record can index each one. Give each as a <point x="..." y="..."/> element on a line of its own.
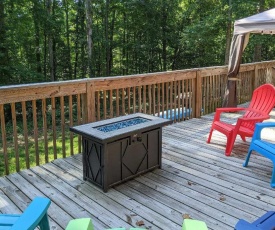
<point x="196" y="179"/>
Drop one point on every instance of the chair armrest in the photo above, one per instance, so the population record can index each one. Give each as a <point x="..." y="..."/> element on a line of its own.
<point x="33" y="214"/>
<point x="244" y="225"/>
<point x="226" y="110"/>
<point x="265" y="125"/>
<point x="230" y="109"/>
<point x="250" y="119"/>
<point x="259" y="127"/>
<point x="256" y="119"/>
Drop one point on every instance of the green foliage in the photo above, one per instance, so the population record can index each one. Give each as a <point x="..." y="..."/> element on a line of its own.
<point x="129" y="37"/>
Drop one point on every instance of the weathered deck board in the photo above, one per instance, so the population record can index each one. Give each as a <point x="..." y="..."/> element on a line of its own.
<point x="196" y="179"/>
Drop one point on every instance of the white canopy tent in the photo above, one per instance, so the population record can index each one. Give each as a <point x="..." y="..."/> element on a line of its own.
<point x="263" y="23"/>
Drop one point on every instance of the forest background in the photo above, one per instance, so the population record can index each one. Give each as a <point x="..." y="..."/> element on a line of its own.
<point x="54" y="40"/>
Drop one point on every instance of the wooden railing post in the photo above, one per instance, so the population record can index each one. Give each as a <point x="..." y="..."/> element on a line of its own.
<point x="90" y="103"/>
<point x="255" y="78"/>
<point x="198" y="95"/>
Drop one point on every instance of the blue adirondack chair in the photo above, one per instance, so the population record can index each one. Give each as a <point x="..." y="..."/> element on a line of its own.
<point x="265" y="222"/>
<point x="263" y="147"/>
<point x="34" y="216"/>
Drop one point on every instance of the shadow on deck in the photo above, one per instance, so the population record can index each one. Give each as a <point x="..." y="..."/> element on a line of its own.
<point x="196" y="179"/>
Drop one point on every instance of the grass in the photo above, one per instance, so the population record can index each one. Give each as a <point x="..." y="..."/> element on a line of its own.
<point x="33" y="159"/>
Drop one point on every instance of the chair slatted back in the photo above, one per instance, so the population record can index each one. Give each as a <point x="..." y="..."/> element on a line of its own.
<point x="262" y="102"/>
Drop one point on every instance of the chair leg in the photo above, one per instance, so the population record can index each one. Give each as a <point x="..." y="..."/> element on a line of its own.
<point x="230" y="143"/>
<point x="243" y="138"/>
<point x="272" y="182"/>
<point x="210" y="135"/>
<point x="44" y="223"/>
<point x="247" y="157"/>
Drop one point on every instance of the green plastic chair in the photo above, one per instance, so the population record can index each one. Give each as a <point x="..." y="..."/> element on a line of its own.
<point x="34" y="216"/>
<point x="125" y="229"/>
<point x="80" y="224"/>
<point x="87" y="224"/>
<point x="190" y="224"/>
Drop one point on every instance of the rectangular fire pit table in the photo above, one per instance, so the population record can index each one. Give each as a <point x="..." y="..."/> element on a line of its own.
<point x="117" y="149"/>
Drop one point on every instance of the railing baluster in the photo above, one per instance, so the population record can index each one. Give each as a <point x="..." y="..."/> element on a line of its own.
<point x="144" y="98"/>
<point x="79" y="119"/>
<point x="111" y="103"/>
<point x="98" y="105"/>
<point x="193" y="98"/>
<point x="171" y="99"/>
<point x="15" y="136"/>
<point x="182" y="100"/>
<point x="186" y="99"/>
<point x="139" y="99"/>
<point x="208" y="95"/>
<point x="162" y="98"/>
<point x="117" y="102"/>
<point x="26" y="140"/>
<point x="63" y="126"/>
<point x="45" y="129"/>
<point x="134" y="99"/>
<point x="71" y="124"/>
<point x="175" y="99"/>
<point x="178" y="99"/>
<point x="150" y="99"/>
<point x="129" y="99"/>
<point x="53" y="106"/>
<point x="123" y="101"/>
<point x="154" y="98"/>
<point x="104" y="104"/>
<point x="35" y="131"/>
<point x="167" y="98"/>
<point x="4" y="139"/>
<point x="158" y="100"/>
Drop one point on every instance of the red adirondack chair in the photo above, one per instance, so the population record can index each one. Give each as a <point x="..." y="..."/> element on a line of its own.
<point x="262" y="102"/>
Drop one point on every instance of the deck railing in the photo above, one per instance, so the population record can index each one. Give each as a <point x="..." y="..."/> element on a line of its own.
<point x="35" y="118"/>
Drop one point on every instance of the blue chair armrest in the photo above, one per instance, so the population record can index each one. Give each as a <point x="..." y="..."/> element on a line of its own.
<point x="263" y="218"/>
<point x="266" y="124"/>
<point x="259" y="127"/>
<point x="33" y="214"/>
<point x="267" y="221"/>
<point x="8" y="219"/>
<point x="244" y="225"/>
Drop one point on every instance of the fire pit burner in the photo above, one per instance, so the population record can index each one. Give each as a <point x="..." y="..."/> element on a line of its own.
<point x="121" y="124"/>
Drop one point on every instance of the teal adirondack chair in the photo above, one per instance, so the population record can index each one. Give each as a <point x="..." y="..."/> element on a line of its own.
<point x="34" y="216"/>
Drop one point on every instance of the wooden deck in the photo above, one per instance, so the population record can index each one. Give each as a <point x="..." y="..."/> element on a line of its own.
<point x="196" y="180"/>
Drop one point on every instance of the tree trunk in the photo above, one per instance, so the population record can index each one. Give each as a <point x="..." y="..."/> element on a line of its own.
<point x="123" y="61"/>
<point x="77" y="32"/>
<point x="3" y="50"/>
<point x="37" y="36"/>
<point x="228" y="33"/>
<point x="164" y="39"/>
<point x="89" y="35"/>
<point x="111" y="38"/>
<point x="50" y="42"/>
<point x="107" y="41"/>
<point x="68" y="39"/>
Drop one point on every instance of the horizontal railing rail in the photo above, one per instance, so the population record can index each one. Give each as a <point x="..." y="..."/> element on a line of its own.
<point x="35" y="118"/>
